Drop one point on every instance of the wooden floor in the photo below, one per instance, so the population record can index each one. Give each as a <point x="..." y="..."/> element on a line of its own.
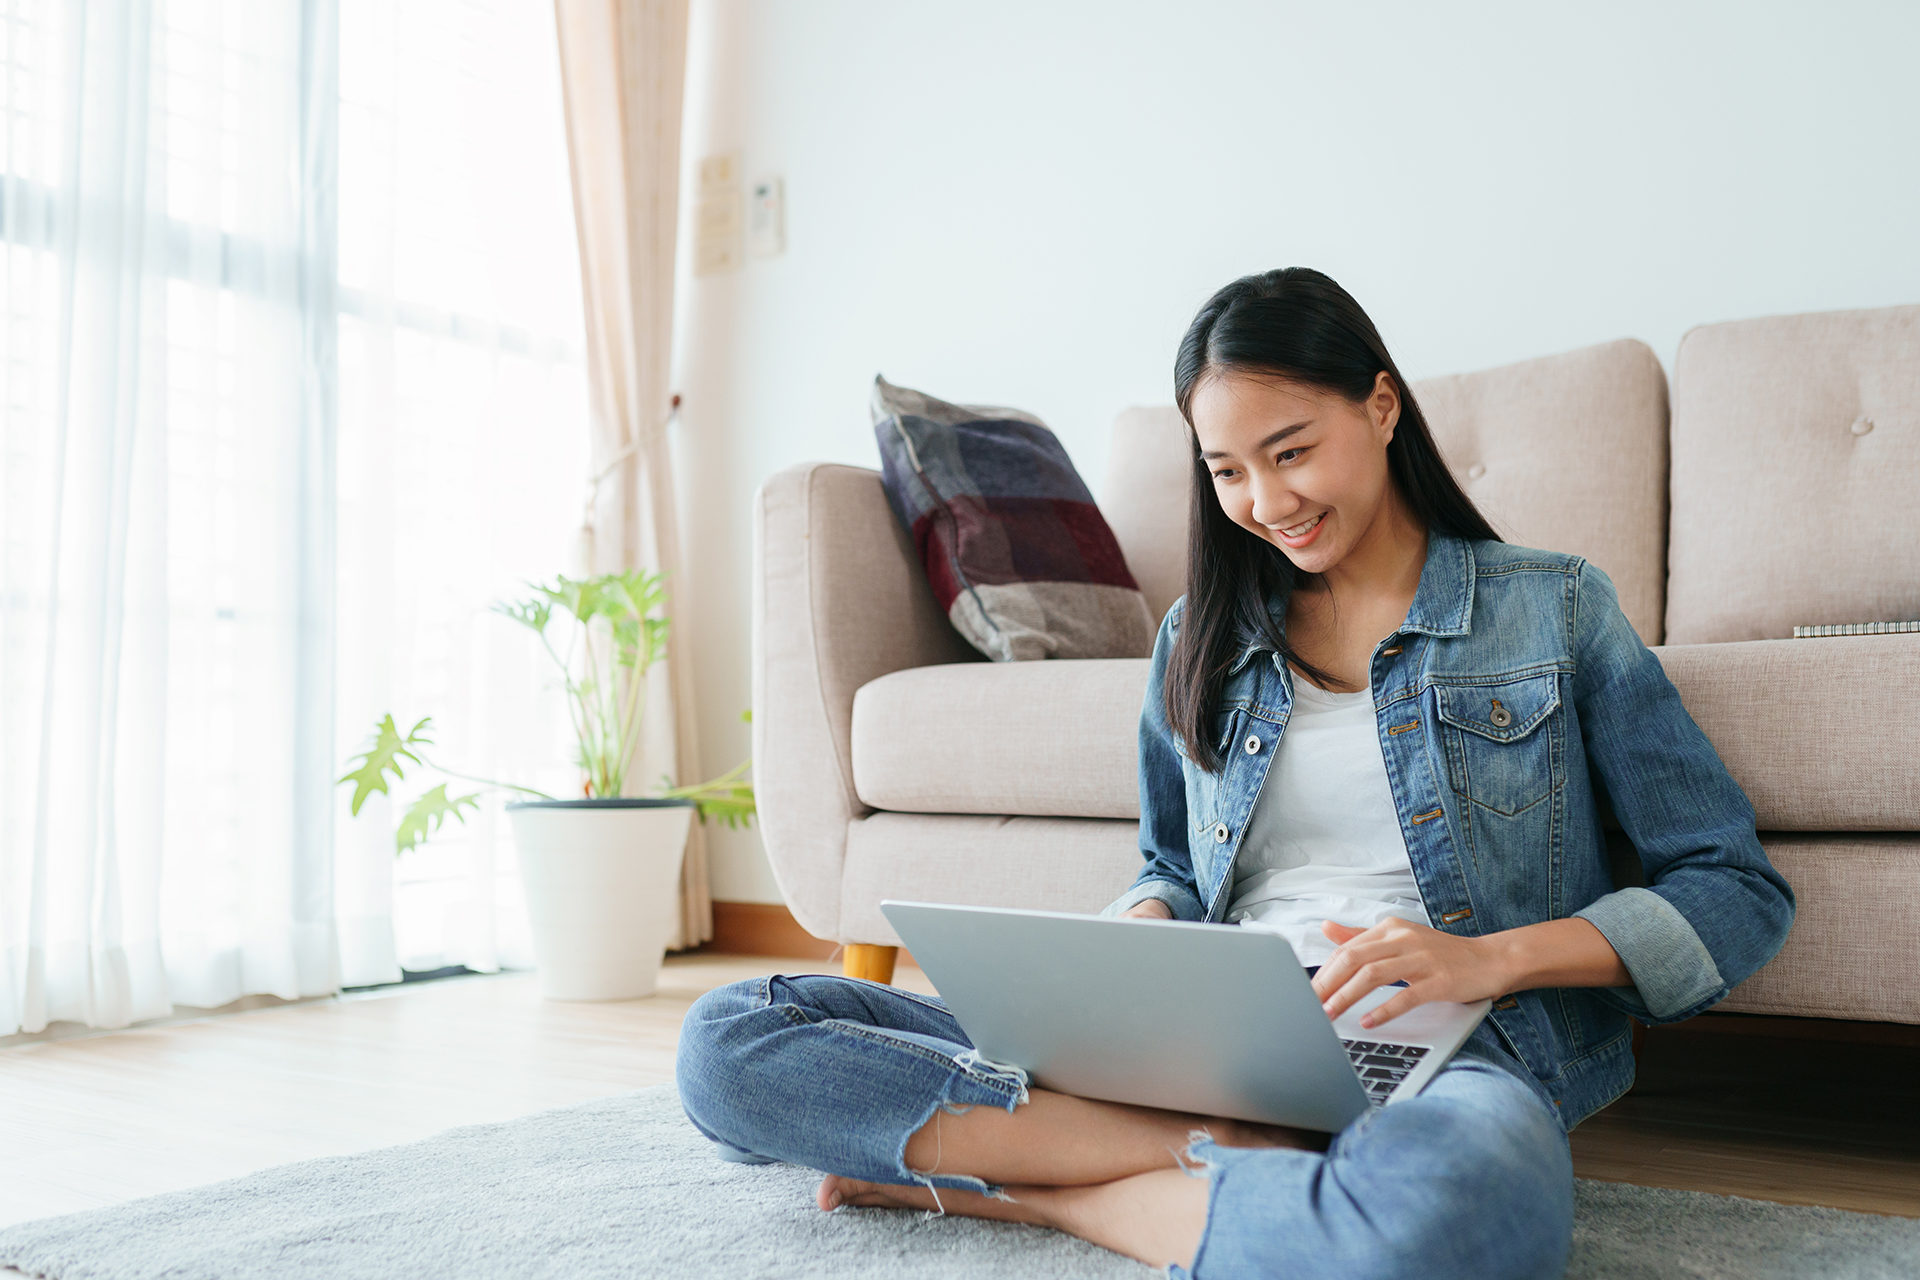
<point x="95" y="1119"/>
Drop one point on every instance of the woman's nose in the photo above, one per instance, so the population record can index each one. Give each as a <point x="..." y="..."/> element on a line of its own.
<point x="1273" y="505"/>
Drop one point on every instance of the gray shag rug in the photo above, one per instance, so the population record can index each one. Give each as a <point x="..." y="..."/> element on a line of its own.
<point x="626" y="1187"/>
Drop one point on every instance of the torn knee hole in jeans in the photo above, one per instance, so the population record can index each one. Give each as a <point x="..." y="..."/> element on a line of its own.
<point x="1005" y="1072"/>
<point x="946" y="1106"/>
<point x="1200" y="1165"/>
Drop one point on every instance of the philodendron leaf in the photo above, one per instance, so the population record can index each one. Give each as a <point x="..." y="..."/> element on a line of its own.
<point x="625" y="600"/>
<point x="571" y="594"/>
<point x="730" y="802"/>
<point x="533" y="614"/>
<point x="656" y="641"/>
<point x="626" y="640"/>
<point x="384" y="756"/>
<point x="631" y="594"/>
<point x="735" y="810"/>
<point x="429" y="813"/>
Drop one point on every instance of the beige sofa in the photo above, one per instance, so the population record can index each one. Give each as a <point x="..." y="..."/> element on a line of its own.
<point x="1775" y="481"/>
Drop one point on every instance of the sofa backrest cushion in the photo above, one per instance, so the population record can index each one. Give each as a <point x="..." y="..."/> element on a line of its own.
<point x="1796" y="458"/>
<point x="1565" y="452"/>
<point x="1144" y="497"/>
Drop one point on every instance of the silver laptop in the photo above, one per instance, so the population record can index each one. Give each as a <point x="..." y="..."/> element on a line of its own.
<point x="1219" y="1019"/>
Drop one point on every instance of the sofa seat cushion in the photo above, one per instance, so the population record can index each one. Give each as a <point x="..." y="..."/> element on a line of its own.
<point x="1058" y="737"/>
<point x="1815" y="729"/>
<point x="1805" y="726"/>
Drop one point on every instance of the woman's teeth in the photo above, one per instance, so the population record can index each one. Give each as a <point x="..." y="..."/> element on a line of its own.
<point x="1299" y="530"/>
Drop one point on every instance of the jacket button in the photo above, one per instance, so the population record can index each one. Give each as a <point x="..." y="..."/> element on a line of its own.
<point x="1253" y="744"/>
<point x="1501" y="716"/>
<point x="1220" y="833"/>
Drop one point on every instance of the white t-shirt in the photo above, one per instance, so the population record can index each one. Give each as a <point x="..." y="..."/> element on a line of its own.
<point x="1324" y="840"/>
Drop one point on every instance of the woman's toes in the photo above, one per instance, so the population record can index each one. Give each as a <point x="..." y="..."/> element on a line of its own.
<point x="835" y="1191"/>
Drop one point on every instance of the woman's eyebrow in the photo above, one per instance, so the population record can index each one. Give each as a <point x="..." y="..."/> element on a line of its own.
<point x="1275" y="438"/>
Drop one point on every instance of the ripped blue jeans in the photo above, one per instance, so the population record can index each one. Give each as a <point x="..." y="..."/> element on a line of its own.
<point x="1473" y="1177"/>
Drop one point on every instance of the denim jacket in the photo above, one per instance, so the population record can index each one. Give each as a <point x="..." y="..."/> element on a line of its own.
<point x="1513" y="703"/>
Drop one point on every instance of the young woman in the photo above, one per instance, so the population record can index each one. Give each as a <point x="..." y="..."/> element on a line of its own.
<point x="1369" y="724"/>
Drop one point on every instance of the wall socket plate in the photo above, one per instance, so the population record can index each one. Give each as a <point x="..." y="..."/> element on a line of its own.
<point x="767" y="217"/>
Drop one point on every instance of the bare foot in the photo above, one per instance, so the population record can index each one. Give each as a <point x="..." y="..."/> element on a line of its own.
<point x="972" y="1204"/>
<point x="1155" y="1217"/>
<point x="835" y="1191"/>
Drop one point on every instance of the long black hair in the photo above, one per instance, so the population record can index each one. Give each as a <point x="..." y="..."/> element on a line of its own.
<point x="1296" y="323"/>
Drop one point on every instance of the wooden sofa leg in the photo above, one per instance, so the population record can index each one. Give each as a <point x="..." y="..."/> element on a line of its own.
<point x="868" y="960"/>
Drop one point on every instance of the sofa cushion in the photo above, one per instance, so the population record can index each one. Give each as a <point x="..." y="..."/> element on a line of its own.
<point x="1041" y="864"/>
<point x="1015" y="549"/>
<point x="1855" y="934"/>
<point x="1801" y="725"/>
<point x="1002" y="738"/>
<point x="1568" y="452"/>
<point x="1808" y="728"/>
<point x="1795" y="443"/>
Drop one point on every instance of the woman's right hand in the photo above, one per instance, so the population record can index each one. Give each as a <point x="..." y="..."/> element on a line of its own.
<point x="1151" y="908"/>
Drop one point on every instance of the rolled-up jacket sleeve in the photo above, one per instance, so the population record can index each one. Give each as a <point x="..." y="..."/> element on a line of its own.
<point x="1168" y="873"/>
<point x="1714" y="909"/>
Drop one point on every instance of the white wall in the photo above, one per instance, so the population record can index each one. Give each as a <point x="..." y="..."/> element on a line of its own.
<point x="1024" y="203"/>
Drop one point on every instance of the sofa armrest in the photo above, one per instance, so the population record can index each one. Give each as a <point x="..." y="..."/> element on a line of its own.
<point x="839" y="598"/>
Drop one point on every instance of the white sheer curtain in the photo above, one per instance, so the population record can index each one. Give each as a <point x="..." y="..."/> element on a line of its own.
<point x="290" y="389"/>
<point x="463" y="450"/>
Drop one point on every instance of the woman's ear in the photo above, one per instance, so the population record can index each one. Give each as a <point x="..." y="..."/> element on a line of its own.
<point x="1386" y="402"/>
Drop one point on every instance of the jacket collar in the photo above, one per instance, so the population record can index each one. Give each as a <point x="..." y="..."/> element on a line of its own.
<point x="1442" y="603"/>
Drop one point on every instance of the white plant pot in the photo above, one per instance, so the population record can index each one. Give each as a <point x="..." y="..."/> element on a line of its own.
<point x="602" y="882"/>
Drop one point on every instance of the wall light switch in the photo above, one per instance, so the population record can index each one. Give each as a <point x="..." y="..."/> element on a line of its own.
<point x="717" y="223"/>
<point x="767" y="218"/>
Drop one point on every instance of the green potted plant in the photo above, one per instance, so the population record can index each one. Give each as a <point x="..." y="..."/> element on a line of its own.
<point x="601" y="871"/>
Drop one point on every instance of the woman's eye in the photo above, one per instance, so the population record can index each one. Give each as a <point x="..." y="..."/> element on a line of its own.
<point x="1226" y="471"/>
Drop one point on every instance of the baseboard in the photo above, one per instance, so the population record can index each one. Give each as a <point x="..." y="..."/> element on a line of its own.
<point x="762" y="929"/>
<point x="767" y="929"/>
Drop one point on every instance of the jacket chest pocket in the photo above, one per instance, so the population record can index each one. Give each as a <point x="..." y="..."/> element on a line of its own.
<point x="1502" y="740"/>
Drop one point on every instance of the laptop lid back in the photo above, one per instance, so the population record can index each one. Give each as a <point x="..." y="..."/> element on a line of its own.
<point x="1152" y="1012"/>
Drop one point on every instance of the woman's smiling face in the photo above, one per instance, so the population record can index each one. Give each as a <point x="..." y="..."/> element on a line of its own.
<point x="1282" y="453"/>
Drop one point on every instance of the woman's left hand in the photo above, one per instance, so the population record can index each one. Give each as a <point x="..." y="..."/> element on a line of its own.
<point x="1435" y="966"/>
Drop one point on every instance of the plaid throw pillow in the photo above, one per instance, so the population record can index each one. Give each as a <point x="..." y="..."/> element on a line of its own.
<point x="1016" y="551"/>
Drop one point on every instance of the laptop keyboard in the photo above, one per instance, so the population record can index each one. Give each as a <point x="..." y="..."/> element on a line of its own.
<point x="1382" y="1065"/>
